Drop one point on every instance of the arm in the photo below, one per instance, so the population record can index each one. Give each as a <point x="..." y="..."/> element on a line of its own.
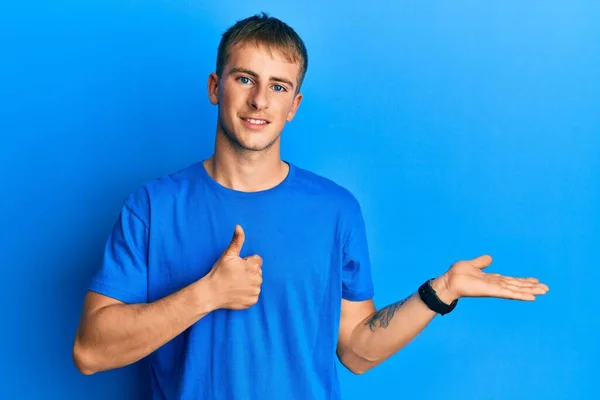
<point x="113" y="334"/>
<point x="368" y="337"/>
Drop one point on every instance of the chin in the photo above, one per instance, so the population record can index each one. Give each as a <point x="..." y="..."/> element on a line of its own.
<point x="256" y="145"/>
<point x="252" y="141"/>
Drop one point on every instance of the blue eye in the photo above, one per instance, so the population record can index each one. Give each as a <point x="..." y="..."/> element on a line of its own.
<point x="244" y="79"/>
<point x="279" y="88"/>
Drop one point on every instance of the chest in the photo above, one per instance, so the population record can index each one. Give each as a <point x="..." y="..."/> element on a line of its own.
<point x="300" y="250"/>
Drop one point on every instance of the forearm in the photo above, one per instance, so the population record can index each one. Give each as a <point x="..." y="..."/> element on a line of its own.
<point x="121" y="334"/>
<point x="388" y="330"/>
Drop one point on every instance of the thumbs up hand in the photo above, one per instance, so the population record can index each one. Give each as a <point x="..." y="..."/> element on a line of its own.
<point x="236" y="281"/>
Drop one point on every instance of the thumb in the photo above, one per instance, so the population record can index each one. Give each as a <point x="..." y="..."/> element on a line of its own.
<point x="482" y="261"/>
<point x="235" y="246"/>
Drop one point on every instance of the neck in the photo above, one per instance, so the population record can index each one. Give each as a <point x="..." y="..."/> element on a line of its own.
<point x="246" y="170"/>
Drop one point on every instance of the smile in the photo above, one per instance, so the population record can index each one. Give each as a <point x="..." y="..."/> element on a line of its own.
<point x="255" y="124"/>
<point x="256" y="121"/>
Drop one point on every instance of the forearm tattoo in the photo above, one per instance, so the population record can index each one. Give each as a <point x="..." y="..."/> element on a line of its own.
<point x="383" y="317"/>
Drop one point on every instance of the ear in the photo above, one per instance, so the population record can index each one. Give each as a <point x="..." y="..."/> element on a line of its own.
<point x="213" y="88"/>
<point x="294" y="107"/>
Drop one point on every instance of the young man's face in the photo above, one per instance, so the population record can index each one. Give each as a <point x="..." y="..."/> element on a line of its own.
<point x="256" y="95"/>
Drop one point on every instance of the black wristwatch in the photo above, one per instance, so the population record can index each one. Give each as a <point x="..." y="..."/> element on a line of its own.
<point x="431" y="299"/>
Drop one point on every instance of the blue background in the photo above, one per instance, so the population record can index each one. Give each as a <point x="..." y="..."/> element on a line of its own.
<point x="463" y="128"/>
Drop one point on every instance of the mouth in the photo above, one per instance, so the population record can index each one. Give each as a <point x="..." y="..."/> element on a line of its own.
<point x="255" y="123"/>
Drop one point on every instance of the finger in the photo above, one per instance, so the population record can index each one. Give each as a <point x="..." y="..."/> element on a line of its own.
<point x="237" y="241"/>
<point x="533" y="280"/>
<point x="505" y="281"/>
<point x="508" y="290"/>
<point x="254" y="260"/>
<point x="482" y="261"/>
<point x="254" y="264"/>
<point x="535" y="290"/>
<point x="531" y="285"/>
<point x="517" y="281"/>
<point x="512" y="293"/>
<point x="530" y="280"/>
<point x="525" y="282"/>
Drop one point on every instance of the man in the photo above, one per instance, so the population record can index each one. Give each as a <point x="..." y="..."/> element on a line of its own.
<point x="244" y="276"/>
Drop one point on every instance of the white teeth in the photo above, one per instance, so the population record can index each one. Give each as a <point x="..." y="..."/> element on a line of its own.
<point x="256" y="121"/>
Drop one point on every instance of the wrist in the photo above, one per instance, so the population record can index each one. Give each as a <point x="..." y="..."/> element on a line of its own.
<point x="442" y="289"/>
<point x="205" y="296"/>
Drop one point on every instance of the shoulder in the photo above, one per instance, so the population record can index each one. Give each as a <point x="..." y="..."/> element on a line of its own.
<point x="327" y="189"/>
<point x="161" y="191"/>
<point x="338" y="200"/>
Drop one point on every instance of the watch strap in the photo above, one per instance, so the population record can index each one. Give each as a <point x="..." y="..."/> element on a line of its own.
<point x="431" y="299"/>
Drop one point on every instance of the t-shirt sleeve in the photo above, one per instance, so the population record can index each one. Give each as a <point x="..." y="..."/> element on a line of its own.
<point x="357" y="283"/>
<point x="124" y="268"/>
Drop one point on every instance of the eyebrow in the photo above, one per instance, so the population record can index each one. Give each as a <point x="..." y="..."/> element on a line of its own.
<point x="254" y="74"/>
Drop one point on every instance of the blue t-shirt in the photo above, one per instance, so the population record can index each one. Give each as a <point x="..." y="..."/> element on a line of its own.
<point x="310" y="234"/>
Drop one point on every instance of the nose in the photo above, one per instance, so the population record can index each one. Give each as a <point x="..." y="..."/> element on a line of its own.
<point x="258" y="98"/>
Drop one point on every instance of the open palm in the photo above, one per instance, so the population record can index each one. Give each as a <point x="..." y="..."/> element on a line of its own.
<point x="466" y="279"/>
